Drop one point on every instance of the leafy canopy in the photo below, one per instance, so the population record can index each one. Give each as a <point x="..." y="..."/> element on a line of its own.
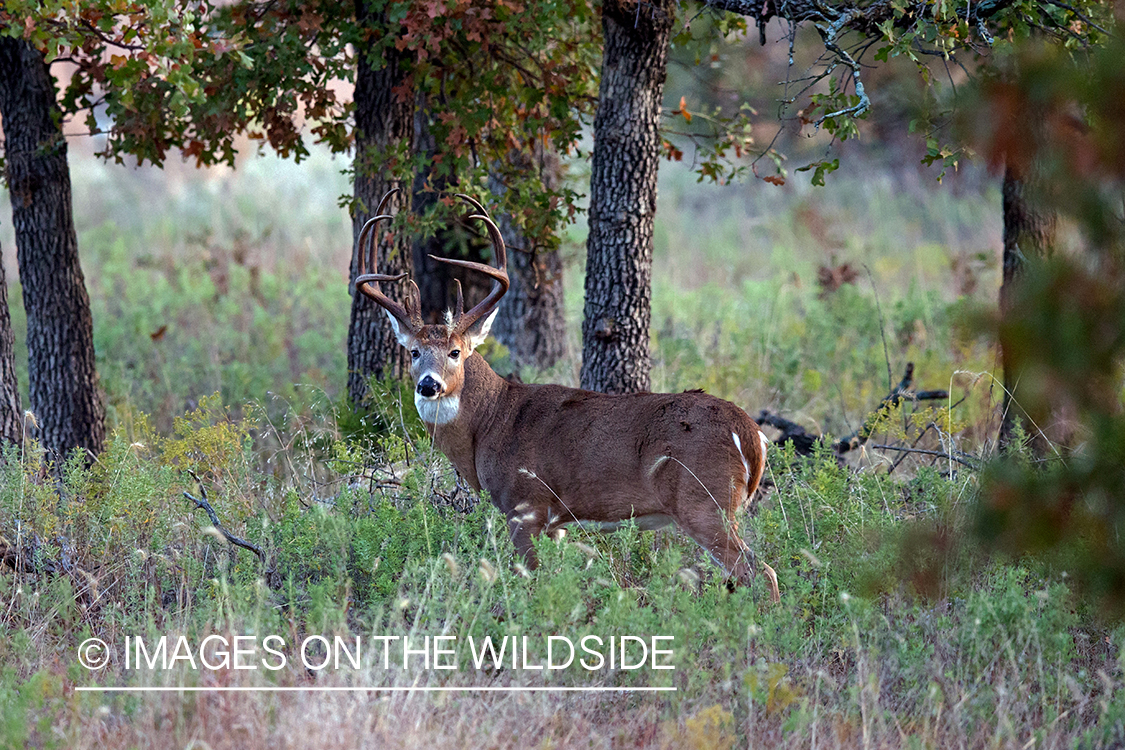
<point x="498" y="80"/>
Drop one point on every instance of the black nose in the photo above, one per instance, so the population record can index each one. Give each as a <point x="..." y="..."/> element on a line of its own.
<point x="429" y="387"/>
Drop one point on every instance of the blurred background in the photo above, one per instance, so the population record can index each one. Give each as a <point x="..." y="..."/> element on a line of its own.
<point x="235" y="281"/>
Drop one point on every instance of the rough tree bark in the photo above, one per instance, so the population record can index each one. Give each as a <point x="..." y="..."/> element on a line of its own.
<point x="1029" y="232"/>
<point x="435" y="280"/>
<point x="531" y="320"/>
<point x="11" y="417"/>
<point x="62" y="379"/>
<point x="618" y="309"/>
<point x="383" y="141"/>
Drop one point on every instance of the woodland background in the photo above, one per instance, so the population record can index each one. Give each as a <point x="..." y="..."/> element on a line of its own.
<point x="949" y="577"/>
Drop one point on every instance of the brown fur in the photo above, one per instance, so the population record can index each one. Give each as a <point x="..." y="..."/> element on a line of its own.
<point x="549" y="455"/>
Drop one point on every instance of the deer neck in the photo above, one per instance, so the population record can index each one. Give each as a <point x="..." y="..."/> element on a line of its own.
<point x="477" y="404"/>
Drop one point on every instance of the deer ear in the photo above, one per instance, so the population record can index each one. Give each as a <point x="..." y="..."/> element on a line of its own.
<point x="396" y="326"/>
<point x="478" y="331"/>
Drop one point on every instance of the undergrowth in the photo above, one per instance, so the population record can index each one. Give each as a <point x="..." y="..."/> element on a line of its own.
<point x="893" y="629"/>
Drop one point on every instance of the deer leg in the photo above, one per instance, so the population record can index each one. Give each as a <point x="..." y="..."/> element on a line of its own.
<point x="523" y="525"/>
<point x="715" y="533"/>
<point x="719" y="536"/>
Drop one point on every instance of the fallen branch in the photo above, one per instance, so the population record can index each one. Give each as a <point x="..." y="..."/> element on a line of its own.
<point x="791" y="432"/>
<point x="804" y="443"/>
<point x="900" y="392"/>
<point x="231" y="538"/>
<point x="939" y="454"/>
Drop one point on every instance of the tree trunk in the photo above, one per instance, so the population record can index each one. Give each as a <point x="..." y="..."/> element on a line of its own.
<point x="11" y="416"/>
<point x="618" y="310"/>
<point x="531" y="320"/>
<point x="1029" y="232"/>
<point x="62" y="379"/>
<point x="383" y="141"/>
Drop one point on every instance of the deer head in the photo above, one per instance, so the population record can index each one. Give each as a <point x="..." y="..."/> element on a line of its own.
<point x="437" y="351"/>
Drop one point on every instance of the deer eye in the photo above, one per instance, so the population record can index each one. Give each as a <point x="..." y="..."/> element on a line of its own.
<point x="415" y="354"/>
<point x="455" y="354"/>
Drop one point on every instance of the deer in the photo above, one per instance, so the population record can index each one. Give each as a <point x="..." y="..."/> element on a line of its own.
<point x="552" y="456"/>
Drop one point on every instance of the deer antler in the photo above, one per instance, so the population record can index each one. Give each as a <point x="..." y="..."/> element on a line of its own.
<point x="368" y="283"/>
<point x="465" y="320"/>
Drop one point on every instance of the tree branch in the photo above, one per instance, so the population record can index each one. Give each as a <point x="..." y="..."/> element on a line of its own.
<point x="852" y="16"/>
<point x="231" y="538"/>
<point x="939" y="454"/>
<point x="899" y="393"/>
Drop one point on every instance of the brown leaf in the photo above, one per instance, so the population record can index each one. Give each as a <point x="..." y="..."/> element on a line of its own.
<point x="829" y="279"/>
<point x="683" y="109"/>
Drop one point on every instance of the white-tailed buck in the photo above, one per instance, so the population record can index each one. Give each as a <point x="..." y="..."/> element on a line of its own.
<point x="550" y="455"/>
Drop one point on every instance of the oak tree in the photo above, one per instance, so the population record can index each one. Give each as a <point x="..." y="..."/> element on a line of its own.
<point x="63" y="382"/>
<point x="618" y="306"/>
<point x="496" y="81"/>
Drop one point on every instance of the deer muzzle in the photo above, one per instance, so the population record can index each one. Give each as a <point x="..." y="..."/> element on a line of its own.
<point x="430" y="387"/>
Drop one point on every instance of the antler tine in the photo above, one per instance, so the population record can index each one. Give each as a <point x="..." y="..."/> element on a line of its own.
<point x="499" y="274"/>
<point x="370" y="226"/>
<point x="368" y="283"/>
<point x="493" y="233"/>
<point x="460" y="309"/>
<point x="367" y="255"/>
<point x="473" y="202"/>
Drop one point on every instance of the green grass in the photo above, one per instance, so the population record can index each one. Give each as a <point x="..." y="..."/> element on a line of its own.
<point x="894" y="630"/>
<point x="880" y="639"/>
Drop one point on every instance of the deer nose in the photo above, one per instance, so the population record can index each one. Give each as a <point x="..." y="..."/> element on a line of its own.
<point x="429" y="387"/>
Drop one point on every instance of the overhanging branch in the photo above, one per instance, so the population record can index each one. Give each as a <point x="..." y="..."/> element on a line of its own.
<point x="880" y="21"/>
<point x="865" y="18"/>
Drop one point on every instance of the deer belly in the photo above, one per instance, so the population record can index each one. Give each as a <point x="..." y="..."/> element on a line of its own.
<point x="650" y="522"/>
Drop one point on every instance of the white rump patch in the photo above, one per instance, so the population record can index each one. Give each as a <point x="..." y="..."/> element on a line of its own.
<point x="437" y="410"/>
<point x="765" y="442"/>
<point x="745" y="464"/>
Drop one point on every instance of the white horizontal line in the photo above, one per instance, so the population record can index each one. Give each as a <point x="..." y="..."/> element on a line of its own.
<point x="375" y="688"/>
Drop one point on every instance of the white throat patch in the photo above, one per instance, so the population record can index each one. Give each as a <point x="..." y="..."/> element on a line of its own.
<point x="437" y="410"/>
